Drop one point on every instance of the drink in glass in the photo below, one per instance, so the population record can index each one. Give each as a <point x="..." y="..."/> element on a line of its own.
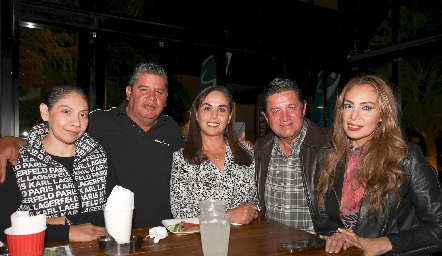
<point x="215" y="232"/>
<point x="213" y="205"/>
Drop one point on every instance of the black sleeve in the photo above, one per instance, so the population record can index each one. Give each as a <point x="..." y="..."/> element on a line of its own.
<point x="57" y="233"/>
<point x="10" y="199"/>
<point x="112" y="178"/>
<point x="97" y="218"/>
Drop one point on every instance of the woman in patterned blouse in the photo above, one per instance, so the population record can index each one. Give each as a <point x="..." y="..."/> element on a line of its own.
<point x="213" y="163"/>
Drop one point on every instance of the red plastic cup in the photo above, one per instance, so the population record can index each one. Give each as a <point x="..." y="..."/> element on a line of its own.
<point x="26" y="245"/>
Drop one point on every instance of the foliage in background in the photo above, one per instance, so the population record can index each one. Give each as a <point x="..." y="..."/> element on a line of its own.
<point x="417" y="19"/>
<point x="421" y="88"/>
<point x="134" y="8"/>
<point x="47" y="57"/>
<point x="419" y="77"/>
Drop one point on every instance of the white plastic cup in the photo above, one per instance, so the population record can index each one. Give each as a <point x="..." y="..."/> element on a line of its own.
<point x="118" y="231"/>
<point x="116" y="249"/>
<point x="22" y="223"/>
<point x="215" y="233"/>
<point x="212" y="205"/>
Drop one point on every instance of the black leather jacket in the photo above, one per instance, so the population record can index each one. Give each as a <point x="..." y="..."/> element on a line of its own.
<point x="421" y="194"/>
<point x="316" y="139"/>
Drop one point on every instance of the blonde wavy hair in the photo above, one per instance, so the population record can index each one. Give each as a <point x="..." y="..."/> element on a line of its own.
<point x="380" y="156"/>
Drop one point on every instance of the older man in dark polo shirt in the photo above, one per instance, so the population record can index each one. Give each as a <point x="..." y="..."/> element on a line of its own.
<point x="141" y="140"/>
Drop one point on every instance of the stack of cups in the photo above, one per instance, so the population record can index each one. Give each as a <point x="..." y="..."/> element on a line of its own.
<point x="118" y="221"/>
<point x="26" y="235"/>
<point x="214" y="227"/>
<point x="118" y="231"/>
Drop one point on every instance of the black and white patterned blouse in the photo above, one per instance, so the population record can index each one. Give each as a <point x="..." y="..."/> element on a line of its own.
<point x="190" y="184"/>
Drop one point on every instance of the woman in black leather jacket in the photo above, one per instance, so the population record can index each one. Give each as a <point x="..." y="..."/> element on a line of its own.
<point x="372" y="183"/>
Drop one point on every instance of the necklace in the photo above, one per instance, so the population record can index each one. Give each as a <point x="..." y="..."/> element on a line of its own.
<point x="217" y="157"/>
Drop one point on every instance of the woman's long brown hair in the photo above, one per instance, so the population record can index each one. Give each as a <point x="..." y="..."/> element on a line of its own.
<point x="192" y="152"/>
<point x="380" y="156"/>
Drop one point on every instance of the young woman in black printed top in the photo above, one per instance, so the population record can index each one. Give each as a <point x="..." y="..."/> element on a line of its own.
<point x="62" y="172"/>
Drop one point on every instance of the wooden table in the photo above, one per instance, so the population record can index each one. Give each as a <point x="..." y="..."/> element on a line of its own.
<point x="258" y="238"/>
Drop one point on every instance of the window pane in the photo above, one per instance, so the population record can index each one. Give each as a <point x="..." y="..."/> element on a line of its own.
<point x="373" y="25"/>
<point x="64" y="2"/>
<point x="419" y="19"/>
<point x="47" y="57"/>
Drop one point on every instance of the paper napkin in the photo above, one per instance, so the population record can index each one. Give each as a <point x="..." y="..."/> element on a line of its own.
<point x="23" y="224"/>
<point x="157" y="233"/>
<point x="118" y="214"/>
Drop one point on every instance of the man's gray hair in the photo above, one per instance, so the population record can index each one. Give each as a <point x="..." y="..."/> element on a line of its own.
<point x="152" y="68"/>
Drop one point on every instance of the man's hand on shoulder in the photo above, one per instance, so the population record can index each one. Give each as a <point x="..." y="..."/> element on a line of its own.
<point x="9" y="151"/>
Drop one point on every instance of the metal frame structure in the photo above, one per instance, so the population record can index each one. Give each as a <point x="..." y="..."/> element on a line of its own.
<point x="16" y="13"/>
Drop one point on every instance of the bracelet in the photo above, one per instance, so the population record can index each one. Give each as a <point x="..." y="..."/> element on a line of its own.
<point x="67" y="221"/>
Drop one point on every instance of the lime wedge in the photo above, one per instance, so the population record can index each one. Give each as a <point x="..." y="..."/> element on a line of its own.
<point x="177" y="228"/>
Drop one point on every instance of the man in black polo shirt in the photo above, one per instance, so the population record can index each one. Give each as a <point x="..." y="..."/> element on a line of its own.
<point x="140" y="139"/>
